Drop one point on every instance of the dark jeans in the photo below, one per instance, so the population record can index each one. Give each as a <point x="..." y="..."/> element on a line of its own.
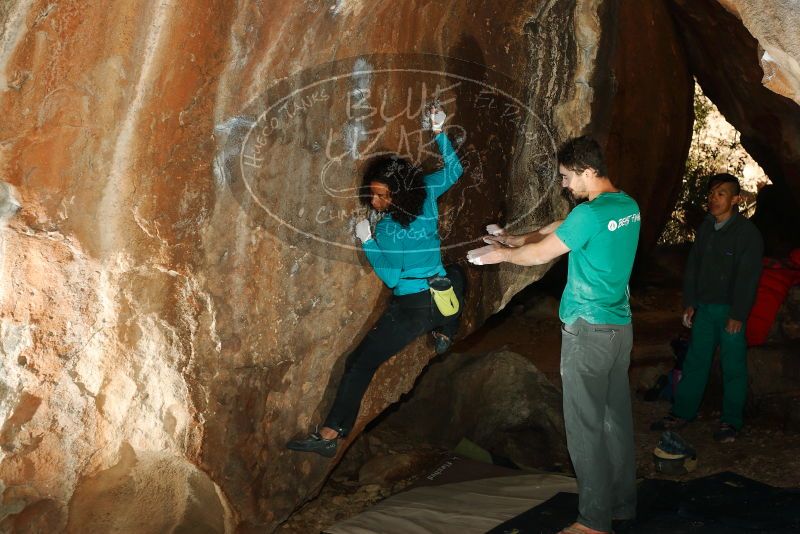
<point x="598" y="420"/>
<point x="406" y="318"/>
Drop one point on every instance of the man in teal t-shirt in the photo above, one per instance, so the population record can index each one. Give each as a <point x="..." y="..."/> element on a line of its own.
<point x="600" y="236"/>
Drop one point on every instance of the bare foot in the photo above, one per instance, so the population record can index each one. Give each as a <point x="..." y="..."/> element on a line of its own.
<point x="577" y="528"/>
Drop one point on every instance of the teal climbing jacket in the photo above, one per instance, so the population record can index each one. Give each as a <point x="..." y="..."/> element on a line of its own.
<point x="405" y="257"/>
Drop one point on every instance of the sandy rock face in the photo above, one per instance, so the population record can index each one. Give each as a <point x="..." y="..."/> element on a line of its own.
<point x="182" y="280"/>
<point x="728" y="62"/>
<point x="647" y="60"/>
<point x="774" y="25"/>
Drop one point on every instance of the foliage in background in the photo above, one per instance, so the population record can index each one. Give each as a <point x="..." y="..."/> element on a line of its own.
<point x="715" y="148"/>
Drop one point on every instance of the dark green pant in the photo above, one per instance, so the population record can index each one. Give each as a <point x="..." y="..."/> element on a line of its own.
<point x="708" y="332"/>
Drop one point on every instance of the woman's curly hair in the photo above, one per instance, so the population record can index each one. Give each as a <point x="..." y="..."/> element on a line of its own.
<point x="406" y="185"/>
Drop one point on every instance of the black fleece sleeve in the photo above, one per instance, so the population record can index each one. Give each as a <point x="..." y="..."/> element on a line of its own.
<point x="692" y="266"/>
<point x="748" y="273"/>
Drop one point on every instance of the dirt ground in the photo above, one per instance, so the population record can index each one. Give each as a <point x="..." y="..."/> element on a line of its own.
<point x="530" y="326"/>
<point x="762" y="451"/>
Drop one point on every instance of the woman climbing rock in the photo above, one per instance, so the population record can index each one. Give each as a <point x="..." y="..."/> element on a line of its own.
<point x="405" y="254"/>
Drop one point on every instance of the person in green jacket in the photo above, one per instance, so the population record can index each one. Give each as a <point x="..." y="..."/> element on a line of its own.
<point x="719" y="289"/>
<point x="405" y="254"/>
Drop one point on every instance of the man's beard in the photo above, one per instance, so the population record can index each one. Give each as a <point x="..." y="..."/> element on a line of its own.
<point x="571" y="197"/>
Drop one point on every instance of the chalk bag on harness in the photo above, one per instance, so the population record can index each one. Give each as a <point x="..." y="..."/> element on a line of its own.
<point x="443" y="295"/>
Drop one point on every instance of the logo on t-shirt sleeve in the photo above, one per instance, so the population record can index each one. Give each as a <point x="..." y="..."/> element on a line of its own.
<point x="612" y="225"/>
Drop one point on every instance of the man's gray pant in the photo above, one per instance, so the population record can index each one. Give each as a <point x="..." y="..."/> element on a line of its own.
<point x="598" y="420"/>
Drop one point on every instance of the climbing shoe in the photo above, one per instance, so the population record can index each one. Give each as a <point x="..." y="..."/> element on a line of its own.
<point x="441" y="343"/>
<point x="726" y="433"/>
<point x="669" y="422"/>
<point x="315" y="443"/>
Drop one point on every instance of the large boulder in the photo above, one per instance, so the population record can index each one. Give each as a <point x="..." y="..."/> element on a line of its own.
<point x="774" y="25"/>
<point x="500" y="401"/>
<point x="736" y="49"/>
<point x="182" y="277"/>
<point x="647" y="60"/>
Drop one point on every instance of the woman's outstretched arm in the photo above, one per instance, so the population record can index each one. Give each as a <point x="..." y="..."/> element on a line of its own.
<point x="440" y="181"/>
